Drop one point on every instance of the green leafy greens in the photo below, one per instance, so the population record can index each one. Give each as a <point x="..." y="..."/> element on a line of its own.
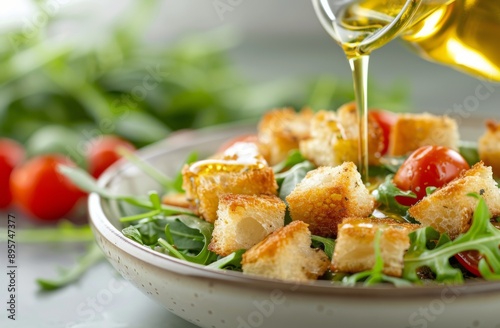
<point x="482" y="236"/>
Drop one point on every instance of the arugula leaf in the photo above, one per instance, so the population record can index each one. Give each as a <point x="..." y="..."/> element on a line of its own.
<point x="185" y="237"/>
<point x="386" y="194"/>
<point x="204" y="256"/>
<point x="182" y="236"/>
<point x="67" y="276"/>
<point x="86" y="182"/>
<point x="328" y="244"/>
<point x="482" y="236"/>
<point x="294" y="157"/>
<point x="64" y="232"/>
<point x="177" y="183"/>
<point x="230" y="262"/>
<point x="376" y="274"/>
<point x="292" y="177"/>
<point x="133" y="233"/>
<point x="469" y="152"/>
<point x="166" y="182"/>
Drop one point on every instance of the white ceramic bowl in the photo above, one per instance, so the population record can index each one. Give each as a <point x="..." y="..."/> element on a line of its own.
<point x="211" y="298"/>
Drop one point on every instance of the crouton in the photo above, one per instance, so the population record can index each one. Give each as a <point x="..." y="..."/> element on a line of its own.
<point x="327" y="195"/>
<point x="244" y="220"/>
<point x="412" y="131"/>
<point x="280" y="131"/>
<point x="178" y="200"/>
<point x="489" y="147"/>
<point x="286" y="254"/>
<point x="239" y="170"/>
<point x="326" y="138"/>
<point x="334" y="138"/>
<point x="355" y="249"/>
<point x="449" y="209"/>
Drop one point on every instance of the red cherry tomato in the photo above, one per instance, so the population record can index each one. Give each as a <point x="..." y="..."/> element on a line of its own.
<point x="470" y="261"/>
<point x="243" y="138"/>
<point x="11" y="155"/>
<point x="103" y="151"/>
<point x="386" y="121"/>
<point x="428" y="166"/>
<point x="40" y="190"/>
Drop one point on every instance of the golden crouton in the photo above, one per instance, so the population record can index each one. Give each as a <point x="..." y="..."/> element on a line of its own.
<point x="348" y="118"/>
<point x="354" y="249"/>
<point x="281" y="130"/>
<point x="286" y="254"/>
<point x="449" y="209"/>
<point x="412" y="131"/>
<point x="489" y="147"/>
<point x="239" y="170"/>
<point x="326" y="137"/>
<point x="327" y="195"/>
<point x="244" y="220"/>
<point x="334" y="138"/>
<point x="178" y="200"/>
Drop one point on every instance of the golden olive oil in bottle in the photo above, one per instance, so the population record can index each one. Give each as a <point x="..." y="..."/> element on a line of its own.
<point x="464" y="34"/>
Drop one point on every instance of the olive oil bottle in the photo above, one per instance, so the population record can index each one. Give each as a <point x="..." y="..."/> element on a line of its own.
<point x="362" y="26"/>
<point x="464" y="34"/>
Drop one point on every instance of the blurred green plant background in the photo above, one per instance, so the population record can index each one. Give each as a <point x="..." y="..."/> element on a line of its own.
<point x="57" y="92"/>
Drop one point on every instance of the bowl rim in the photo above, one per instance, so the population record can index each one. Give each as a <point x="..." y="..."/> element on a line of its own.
<point x="101" y="225"/>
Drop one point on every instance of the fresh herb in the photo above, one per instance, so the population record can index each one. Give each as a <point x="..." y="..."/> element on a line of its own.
<point x="328" y="244"/>
<point x="386" y="194"/>
<point x="230" y="262"/>
<point x="193" y="157"/>
<point x="376" y="274"/>
<point x="166" y="182"/>
<point x="68" y="276"/>
<point x="64" y="232"/>
<point x="469" y="152"/>
<point x="482" y="236"/>
<point x="294" y="157"/>
<point x="89" y="184"/>
<point x="292" y="177"/>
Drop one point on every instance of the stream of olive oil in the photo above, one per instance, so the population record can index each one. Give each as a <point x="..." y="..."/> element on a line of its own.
<point x="364" y="26"/>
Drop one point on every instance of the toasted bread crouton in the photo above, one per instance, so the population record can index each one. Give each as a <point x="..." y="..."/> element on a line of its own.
<point x="348" y="118"/>
<point x="326" y="137"/>
<point x="178" y="200"/>
<point x="489" y="147"/>
<point x="286" y="254"/>
<point x="239" y="170"/>
<point x="449" y="209"/>
<point x="355" y="249"/>
<point x="412" y="131"/>
<point x="334" y="138"/>
<point x="244" y="220"/>
<point x="280" y="131"/>
<point x="327" y="195"/>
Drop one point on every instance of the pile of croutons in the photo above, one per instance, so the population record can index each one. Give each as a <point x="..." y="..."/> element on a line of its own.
<point x="236" y="190"/>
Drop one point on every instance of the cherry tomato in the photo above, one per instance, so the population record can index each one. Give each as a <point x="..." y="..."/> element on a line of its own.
<point x="428" y="166"/>
<point x="243" y="138"/>
<point x="11" y="155"/>
<point x="40" y="190"/>
<point x="103" y="151"/>
<point x="470" y="261"/>
<point x="386" y="121"/>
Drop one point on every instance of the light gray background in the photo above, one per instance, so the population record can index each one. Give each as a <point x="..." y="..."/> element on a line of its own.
<point x="279" y="39"/>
